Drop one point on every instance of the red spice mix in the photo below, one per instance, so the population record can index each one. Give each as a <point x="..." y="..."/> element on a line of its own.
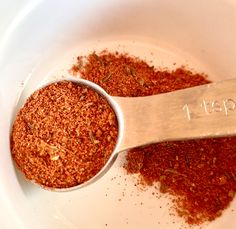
<point x="200" y="174"/>
<point x="63" y="135"/>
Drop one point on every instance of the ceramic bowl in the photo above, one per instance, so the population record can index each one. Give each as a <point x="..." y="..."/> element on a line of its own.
<point x="41" y="44"/>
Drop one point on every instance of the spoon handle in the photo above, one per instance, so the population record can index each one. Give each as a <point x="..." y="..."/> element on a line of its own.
<point x="199" y="112"/>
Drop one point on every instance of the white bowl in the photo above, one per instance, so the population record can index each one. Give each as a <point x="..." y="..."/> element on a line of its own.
<point x="41" y="43"/>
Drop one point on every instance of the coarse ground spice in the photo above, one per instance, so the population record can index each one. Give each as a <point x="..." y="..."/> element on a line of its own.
<point x="199" y="174"/>
<point x="63" y="135"/>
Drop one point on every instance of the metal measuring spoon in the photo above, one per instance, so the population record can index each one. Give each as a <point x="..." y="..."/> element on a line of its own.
<point x="198" y="112"/>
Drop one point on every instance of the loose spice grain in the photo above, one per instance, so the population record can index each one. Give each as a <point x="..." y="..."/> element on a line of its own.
<point x="63" y="135"/>
<point x="200" y="174"/>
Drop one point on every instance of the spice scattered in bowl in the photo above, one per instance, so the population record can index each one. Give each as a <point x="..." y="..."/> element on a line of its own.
<point x="63" y="135"/>
<point x="199" y="174"/>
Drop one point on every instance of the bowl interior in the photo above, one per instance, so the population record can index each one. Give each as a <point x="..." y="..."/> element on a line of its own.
<point x="42" y="43"/>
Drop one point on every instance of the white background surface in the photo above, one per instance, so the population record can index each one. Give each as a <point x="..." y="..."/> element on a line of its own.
<point x="8" y="10"/>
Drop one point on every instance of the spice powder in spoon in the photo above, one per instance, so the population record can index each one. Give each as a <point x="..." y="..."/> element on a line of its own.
<point x="63" y="135"/>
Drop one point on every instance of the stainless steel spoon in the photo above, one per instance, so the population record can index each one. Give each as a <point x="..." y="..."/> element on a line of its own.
<point x="199" y="112"/>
